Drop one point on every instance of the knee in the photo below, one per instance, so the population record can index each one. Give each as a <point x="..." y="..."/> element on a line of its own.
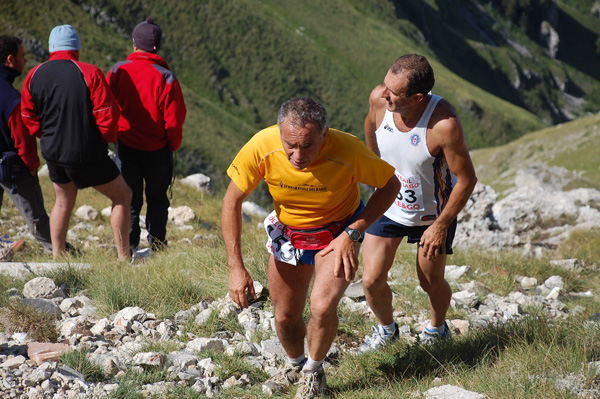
<point x="323" y="309"/>
<point x="124" y="197"/>
<point x="373" y="282"/>
<point x="287" y="317"/>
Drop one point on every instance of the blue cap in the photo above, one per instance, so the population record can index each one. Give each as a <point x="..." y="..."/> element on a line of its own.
<point x="64" y="37"/>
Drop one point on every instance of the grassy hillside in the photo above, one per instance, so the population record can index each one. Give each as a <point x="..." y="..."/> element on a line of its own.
<point x="574" y="146"/>
<point x="238" y="60"/>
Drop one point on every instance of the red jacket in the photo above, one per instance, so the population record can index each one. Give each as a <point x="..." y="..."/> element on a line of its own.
<point x="151" y="102"/>
<point x="69" y="105"/>
<point x="24" y="142"/>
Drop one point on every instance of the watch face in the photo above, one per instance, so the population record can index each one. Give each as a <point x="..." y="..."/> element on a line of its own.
<point x="354" y="234"/>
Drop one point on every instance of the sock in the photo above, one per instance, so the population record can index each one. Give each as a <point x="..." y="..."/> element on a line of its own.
<point x="311" y="365"/>
<point x="441" y="329"/>
<point x="298" y="360"/>
<point x="390" y="328"/>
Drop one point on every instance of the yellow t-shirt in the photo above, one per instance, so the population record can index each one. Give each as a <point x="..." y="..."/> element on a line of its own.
<point x="324" y="192"/>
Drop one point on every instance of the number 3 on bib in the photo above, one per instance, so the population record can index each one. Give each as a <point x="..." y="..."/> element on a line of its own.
<point x="410" y="196"/>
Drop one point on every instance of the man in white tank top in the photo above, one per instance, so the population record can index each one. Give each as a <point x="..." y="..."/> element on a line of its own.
<point x="421" y="136"/>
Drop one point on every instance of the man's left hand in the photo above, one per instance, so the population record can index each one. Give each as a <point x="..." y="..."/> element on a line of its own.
<point x="346" y="256"/>
<point x="433" y="241"/>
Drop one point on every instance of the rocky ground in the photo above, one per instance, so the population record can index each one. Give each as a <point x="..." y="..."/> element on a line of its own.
<point x="29" y="369"/>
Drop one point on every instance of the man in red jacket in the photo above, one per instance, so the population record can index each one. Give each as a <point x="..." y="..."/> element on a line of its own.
<point x="150" y="129"/>
<point x="68" y="105"/>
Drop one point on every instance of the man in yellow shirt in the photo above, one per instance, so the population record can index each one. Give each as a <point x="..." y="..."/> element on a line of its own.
<point x="312" y="173"/>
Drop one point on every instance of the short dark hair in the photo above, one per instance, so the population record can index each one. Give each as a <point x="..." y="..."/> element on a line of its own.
<point x="302" y="111"/>
<point x="9" y="45"/>
<point x="418" y="71"/>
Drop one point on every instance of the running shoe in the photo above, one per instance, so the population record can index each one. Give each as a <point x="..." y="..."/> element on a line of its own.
<point x="311" y="385"/>
<point x="14" y="245"/>
<point x="378" y="339"/>
<point x="282" y="380"/>
<point x="140" y="256"/>
<point x="430" y="336"/>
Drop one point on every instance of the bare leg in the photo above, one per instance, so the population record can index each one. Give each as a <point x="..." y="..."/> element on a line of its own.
<point x="378" y="258"/>
<point x="289" y="285"/>
<point x="326" y="293"/>
<point x="60" y="215"/>
<point x="431" y="277"/>
<point x="120" y="194"/>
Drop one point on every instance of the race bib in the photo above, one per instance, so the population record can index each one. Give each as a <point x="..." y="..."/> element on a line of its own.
<point x="279" y="244"/>
<point x="410" y="196"/>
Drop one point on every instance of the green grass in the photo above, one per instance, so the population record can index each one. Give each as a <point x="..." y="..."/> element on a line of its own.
<point x="77" y="359"/>
<point x="15" y="316"/>
<point x="518" y="360"/>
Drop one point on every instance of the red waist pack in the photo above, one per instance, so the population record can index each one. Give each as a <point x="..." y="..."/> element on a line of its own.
<point x="313" y="238"/>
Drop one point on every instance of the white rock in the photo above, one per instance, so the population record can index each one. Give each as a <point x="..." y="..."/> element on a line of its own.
<point x="452" y="392"/>
<point x="253" y="209"/>
<point x="554" y="293"/>
<point x="202" y="344"/>
<point x="101" y="327"/>
<point x="181" y="214"/>
<point x="133" y="313"/>
<point x="14" y="362"/>
<point x="156" y="359"/>
<point x="529" y="283"/>
<point x="466" y="298"/>
<point x="44" y="172"/>
<point x="200" y="182"/>
<point x="86" y="212"/>
<point x="453" y="272"/>
<point x="42" y="287"/>
<point x="203" y="317"/>
<point x="554" y="281"/>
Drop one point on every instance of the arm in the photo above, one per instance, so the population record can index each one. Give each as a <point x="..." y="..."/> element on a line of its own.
<point x="29" y="111"/>
<point x="24" y="142"/>
<point x="447" y="134"/>
<point x="375" y="107"/>
<point x="175" y="112"/>
<point x="105" y="108"/>
<point x="231" y="226"/>
<point x="344" y="248"/>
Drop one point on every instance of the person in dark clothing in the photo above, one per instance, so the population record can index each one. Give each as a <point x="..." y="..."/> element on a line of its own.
<point x="150" y="129"/>
<point x="18" y="149"/>
<point x="68" y="104"/>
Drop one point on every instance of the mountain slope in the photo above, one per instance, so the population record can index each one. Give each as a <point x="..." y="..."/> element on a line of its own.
<point x="574" y="146"/>
<point x="238" y="60"/>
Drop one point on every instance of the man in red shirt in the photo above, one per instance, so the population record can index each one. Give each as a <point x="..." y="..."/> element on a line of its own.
<point x="68" y="104"/>
<point x="150" y="129"/>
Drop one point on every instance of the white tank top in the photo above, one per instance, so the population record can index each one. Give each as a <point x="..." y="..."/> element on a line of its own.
<point x="426" y="181"/>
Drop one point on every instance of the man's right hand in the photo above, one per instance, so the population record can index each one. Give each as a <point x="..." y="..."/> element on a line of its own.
<point x="241" y="286"/>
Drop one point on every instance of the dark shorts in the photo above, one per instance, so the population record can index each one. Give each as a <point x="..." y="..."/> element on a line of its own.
<point x="308" y="257"/>
<point x="386" y="227"/>
<point x="86" y="175"/>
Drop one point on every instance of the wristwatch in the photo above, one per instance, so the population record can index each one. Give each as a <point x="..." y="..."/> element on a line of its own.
<point x="355" y="235"/>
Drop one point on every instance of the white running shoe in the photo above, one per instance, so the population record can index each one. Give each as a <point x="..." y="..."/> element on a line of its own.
<point x="378" y="339"/>
<point x="430" y="336"/>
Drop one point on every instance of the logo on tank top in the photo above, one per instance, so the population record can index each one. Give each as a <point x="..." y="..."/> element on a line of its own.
<point x="415" y="139"/>
<point x="388" y="128"/>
